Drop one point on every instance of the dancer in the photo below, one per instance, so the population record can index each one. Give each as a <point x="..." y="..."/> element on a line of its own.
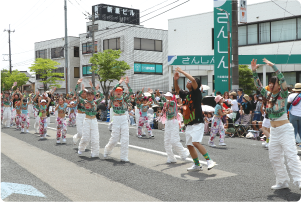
<point x="193" y="118"/>
<point x="6" y="102"/>
<point x="16" y="98"/>
<point x="24" y="115"/>
<point x="217" y="125"/>
<point x="72" y="113"/>
<point x="138" y="101"/>
<point x="36" y="109"/>
<point x="171" y="120"/>
<point x="90" y="126"/>
<point x="81" y="115"/>
<point x="143" y="119"/>
<point x="120" y="126"/>
<point x="43" y="106"/>
<point x="61" y="121"/>
<point x="18" y="115"/>
<point x="282" y="137"/>
<point x="266" y="124"/>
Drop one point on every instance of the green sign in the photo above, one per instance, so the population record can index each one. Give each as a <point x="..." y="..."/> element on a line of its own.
<point x="221" y="44"/>
<point x="148" y="68"/>
<point x="242" y="59"/>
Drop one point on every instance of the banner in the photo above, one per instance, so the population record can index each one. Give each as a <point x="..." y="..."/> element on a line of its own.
<point x="243" y="11"/>
<point x="221" y="44"/>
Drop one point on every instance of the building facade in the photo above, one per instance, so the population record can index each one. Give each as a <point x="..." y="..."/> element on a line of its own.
<point x="144" y="49"/>
<point x="54" y="49"/>
<point x="270" y="32"/>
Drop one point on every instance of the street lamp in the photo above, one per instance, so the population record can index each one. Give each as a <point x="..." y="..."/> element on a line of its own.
<point x="228" y="29"/>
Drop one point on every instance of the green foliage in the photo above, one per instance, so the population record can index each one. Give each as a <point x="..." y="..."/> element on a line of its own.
<point x="246" y="81"/>
<point x="44" y="68"/>
<point x="8" y="79"/>
<point x="108" y="68"/>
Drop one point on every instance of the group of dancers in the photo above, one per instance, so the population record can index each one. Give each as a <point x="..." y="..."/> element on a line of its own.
<point x="82" y="107"/>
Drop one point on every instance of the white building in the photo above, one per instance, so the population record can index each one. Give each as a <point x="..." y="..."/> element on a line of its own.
<point x="54" y="49"/>
<point x="144" y="49"/>
<point x="270" y="32"/>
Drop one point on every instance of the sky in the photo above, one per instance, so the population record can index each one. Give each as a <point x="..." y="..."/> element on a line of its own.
<point x="40" y="20"/>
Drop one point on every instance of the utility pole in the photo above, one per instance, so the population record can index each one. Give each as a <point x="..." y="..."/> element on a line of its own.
<point x="93" y="48"/>
<point x="66" y="48"/>
<point x="9" y="31"/>
<point x="235" y="73"/>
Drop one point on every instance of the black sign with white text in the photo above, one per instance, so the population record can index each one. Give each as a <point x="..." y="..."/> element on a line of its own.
<point x="116" y="14"/>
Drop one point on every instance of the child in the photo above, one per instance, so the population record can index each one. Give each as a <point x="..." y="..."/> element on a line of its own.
<point x="25" y="115"/>
<point x="61" y="121"/>
<point x="120" y="126"/>
<point x="217" y="124"/>
<point x="72" y="113"/>
<point x="6" y="102"/>
<point x="43" y="105"/>
<point x="208" y="121"/>
<point x="131" y="114"/>
<point x="171" y="134"/>
<point x="18" y="115"/>
<point x="143" y="119"/>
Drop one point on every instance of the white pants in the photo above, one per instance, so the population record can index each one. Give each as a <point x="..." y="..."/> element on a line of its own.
<point x="120" y="131"/>
<point x="172" y="140"/>
<point x="137" y="116"/>
<point x="37" y="120"/>
<point x="13" y="115"/>
<point x="90" y="132"/>
<point x="30" y="110"/>
<point x="80" y="118"/>
<point x="6" y="116"/>
<point x="282" y="143"/>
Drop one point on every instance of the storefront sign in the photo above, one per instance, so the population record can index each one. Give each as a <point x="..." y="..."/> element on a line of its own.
<point x="221" y="44"/>
<point x="243" y="11"/>
<point x="140" y="68"/>
<point x="243" y="59"/>
<point x="116" y="14"/>
<point x="191" y="60"/>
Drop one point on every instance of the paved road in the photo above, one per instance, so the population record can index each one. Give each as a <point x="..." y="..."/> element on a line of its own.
<point x="243" y="172"/>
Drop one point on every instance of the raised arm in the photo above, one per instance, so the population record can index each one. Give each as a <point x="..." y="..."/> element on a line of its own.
<point x="188" y="76"/>
<point x="257" y="82"/>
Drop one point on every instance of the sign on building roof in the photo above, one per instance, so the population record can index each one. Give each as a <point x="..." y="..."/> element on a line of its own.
<point x="116" y="14"/>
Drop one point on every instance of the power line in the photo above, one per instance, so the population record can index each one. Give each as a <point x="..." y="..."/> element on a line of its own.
<point x="154" y="6"/>
<point x="282" y="7"/>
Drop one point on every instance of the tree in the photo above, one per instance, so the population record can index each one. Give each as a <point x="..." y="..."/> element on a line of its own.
<point x="108" y="68"/>
<point x="44" y="68"/>
<point x="8" y="79"/>
<point x="246" y="81"/>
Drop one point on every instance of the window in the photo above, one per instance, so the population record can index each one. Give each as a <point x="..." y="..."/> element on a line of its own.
<point x="41" y="54"/>
<point x="76" y="72"/>
<point x="57" y="52"/>
<point x="76" y="51"/>
<point x="113" y="44"/>
<point x="89" y="28"/>
<point x="283" y="30"/>
<point x="299" y="28"/>
<point x="147" y="44"/>
<point x="148" y="68"/>
<point x="86" y="70"/>
<point x="252" y="34"/>
<point x="290" y="78"/>
<point x="59" y="70"/>
<point x="212" y="38"/>
<point x="87" y="47"/>
<point x="264" y="32"/>
<point x="242" y="35"/>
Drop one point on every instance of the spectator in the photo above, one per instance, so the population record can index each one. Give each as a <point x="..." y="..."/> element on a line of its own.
<point x="218" y="93"/>
<point x="213" y="93"/>
<point x="240" y="96"/>
<point x="294" y="107"/>
<point x="131" y="115"/>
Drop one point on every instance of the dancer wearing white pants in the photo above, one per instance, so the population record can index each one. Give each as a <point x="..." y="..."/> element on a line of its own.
<point x="120" y="131"/>
<point x="120" y="125"/>
<point x="90" y="126"/>
<point x="171" y="132"/>
<point x="6" y="104"/>
<point x="80" y="117"/>
<point x="282" y="137"/>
